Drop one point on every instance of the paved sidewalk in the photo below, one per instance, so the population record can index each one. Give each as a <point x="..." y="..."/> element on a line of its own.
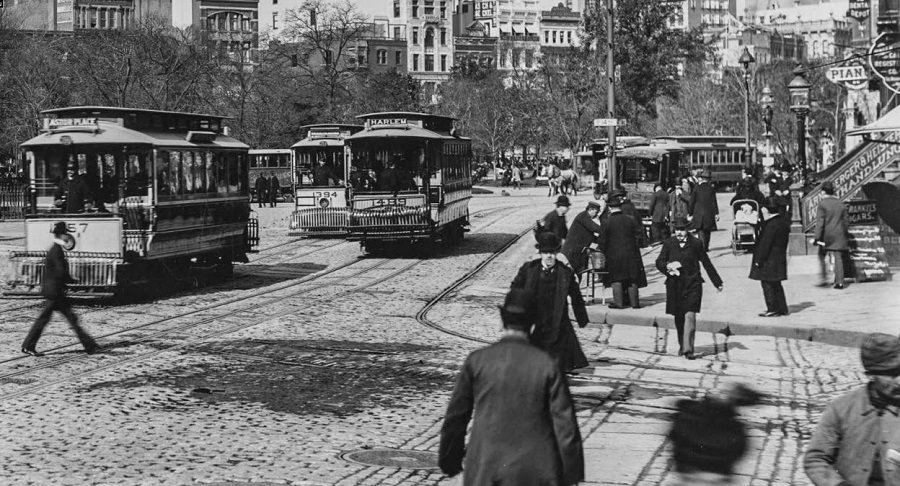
<point x="825" y="315"/>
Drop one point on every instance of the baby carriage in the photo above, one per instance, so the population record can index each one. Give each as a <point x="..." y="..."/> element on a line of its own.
<point x="746" y="220"/>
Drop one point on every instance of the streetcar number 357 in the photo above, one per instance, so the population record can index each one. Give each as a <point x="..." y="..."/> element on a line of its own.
<point x="321" y="194"/>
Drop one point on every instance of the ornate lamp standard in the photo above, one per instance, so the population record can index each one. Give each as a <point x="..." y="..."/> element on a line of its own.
<point x="746" y="60"/>
<point x="766" y="101"/>
<point x="799" y="89"/>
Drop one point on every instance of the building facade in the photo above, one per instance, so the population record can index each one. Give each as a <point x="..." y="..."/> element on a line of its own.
<point x="429" y="37"/>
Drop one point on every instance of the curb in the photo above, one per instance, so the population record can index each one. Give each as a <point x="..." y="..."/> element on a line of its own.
<point x="602" y="316"/>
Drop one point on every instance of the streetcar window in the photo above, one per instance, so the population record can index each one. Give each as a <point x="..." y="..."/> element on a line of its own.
<point x="187" y="173"/>
<point x="221" y="163"/>
<point x="210" y="172"/>
<point x="639" y="170"/>
<point x="199" y="171"/>
<point x="136" y="175"/>
<point x="164" y="186"/>
<point x="175" y="172"/>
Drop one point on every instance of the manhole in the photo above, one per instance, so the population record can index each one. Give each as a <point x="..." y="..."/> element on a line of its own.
<point x="400" y="458"/>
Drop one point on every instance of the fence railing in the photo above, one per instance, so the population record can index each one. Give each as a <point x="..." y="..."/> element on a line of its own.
<point x="12" y="199"/>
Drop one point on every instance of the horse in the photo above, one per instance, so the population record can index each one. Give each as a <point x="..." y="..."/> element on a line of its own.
<point x="568" y="181"/>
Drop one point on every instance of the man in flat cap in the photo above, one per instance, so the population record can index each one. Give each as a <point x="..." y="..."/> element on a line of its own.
<point x="524" y="429"/>
<point x="581" y="235"/>
<point x="555" y="221"/>
<point x="857" y="440"/>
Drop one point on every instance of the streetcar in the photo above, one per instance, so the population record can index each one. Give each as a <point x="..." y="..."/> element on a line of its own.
<point x="272" y="162"/>
<point x="412" y="180"/>
<point x="641" y="167"/>
<point x="321" y="182"/>
<point x="722" y="156"/>
<point x="165" y="195"/>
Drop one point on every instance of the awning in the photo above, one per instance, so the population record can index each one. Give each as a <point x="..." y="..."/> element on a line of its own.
<point x="321" y="142"/>
<point x="398" y="132"/>
<point x="887" y="123"/>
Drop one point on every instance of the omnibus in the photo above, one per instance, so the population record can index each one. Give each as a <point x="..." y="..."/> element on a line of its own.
<point x="321" y="188"/>
<point x="723" y="156"/>
<point x="641" y="167"/>
<point x="165" y="194"/>
<point x="412" y="180"/>
<point x="274" y="161"/>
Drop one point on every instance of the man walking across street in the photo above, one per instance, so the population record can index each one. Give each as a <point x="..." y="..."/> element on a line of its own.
<point x="857" y="440"/>
<point x="551" y="282"/>
<point x="555" y="221"/>
<point x="832" y="225"/>
<point x="703" y="209"/>
<point x="274" y="190"/>
<point x="262" y="189"/>
<point x="680" y="260"/>
<point x="620" y="241"/>
<point x="524" y="429"/>
<point x="53" y="288"/>
<point x="582" y="236"/>
<point x="770" y="259"/>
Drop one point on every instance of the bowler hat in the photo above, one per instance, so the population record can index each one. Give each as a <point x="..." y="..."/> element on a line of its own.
<point x="680" y="224"/>
<point x="563" y="201"/>
<point x="59" y="228"/>
<point x="515" y="310"/>
<point x="548" y="242"/>
<point x="706" y="435"/>
<point x="880" y="354"/>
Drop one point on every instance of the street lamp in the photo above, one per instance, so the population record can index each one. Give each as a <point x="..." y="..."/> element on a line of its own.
<point x="799" y="89"/>
<point x="766" y="101"/>
<point x="746" y="60"/>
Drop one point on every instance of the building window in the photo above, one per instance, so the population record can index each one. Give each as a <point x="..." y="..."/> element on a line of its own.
<point x="274" y="20"/>
<point x="503" y="57"/>
<point x="398" y="57"/>
<point x="465" y="8"/>
<point x="312" y="16"/>
<point x="429" y="37"/>
<point x="443" y="9"/>
<point x="415" y="9"/>
<point x="516" y="57"/>
<point x="328" y="58"/>
<point x="234" y="22"/>
<point x="397" y="33"/>
<point x="546" y="37"/>
<point x="416" y="35"/>
<point x="443" y="62"/>
<point x="429" y="62"/>
<point x="569" y="37"/>
<point x="429" y="7"/>
<point x="381" y="56"/>
<point x="396" y="8"/>
<point x="443" y="37"/>
<point x="529" y="56"/>
<point x="274" y="2"/>
<point x="554" y="41"/>
<point x="415" y="62"/>
<point x="103" y="19"/>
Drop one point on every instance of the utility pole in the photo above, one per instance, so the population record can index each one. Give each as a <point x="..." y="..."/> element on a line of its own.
<point x="611" y="174"/>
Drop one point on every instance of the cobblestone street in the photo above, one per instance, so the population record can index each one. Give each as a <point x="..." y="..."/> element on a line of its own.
<point x="314" y="352"/>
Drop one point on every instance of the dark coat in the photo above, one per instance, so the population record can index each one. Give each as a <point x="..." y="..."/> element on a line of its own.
<point x="659" y="207"/>
<point x="581" y="234"/>
<point x="703" y="207"/>
<point x="74" y="193"/>
<point x="770" y="256"/>
<point x="274" y="187"/>
<point x="395" y="180"/>
<point x="555" y="223"/>
<point x="832" y="223"/>
<point x="620" y="241"/>
<point x="323" y="175"/>
<point x="748" y="189"/>
<point x="262" y="188"/>
<point x="567" y="286"/>
<point x="678" y="205"/>
<point x="778" y="184"/>
<point x="56" y="273"/>
<point x="684" y="292"/>
<point x="524" y="429"/>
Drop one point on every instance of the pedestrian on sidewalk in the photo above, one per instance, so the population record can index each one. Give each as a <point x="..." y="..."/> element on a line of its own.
<point x="262" y="189"/>
<point x="582" y="237"/>
<point x="679" y="198"/>
<point x="659" y="214"/>
<point x="524" y="429"/>
<point x="517" y="176"/>
<point x="53" y="287"/>
<point x="274" y="190"/>
<point x="857" y="440"/>
<point x="679" y="260"/>
<point x="832" y="227"/>
<point x="703" y="208"/>
<point x="551" y="282"/>
<point x="555" y="221"/>
<point x="770" y="259"/>
<point x="621" y="239"/>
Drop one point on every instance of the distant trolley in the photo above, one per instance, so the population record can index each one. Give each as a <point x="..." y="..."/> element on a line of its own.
<point x="412" y="180"/>
<point x="723" y="156"/>
<point x="268" y="162"/>
<point x="321" y="181"/>
<point x="165" y="193"/>
<point x="640" y="167"/>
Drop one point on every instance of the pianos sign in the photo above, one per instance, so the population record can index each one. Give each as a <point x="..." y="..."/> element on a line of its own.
<point x="854" y="76"/>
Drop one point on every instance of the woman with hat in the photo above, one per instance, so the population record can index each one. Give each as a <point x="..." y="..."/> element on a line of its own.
<point x="679" y="260"/>
<point x="551" y="282"/>
<point x="581" y="235"/>
<point x="620" y="241"/>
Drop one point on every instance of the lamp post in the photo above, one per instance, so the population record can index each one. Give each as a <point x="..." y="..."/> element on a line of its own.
<point x="766" y="101"/>
<point x="799" y="89"/>
<point x="746" y="60"/>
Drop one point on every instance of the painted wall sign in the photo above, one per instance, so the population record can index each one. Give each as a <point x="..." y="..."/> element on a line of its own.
<point x="862" y="212"/>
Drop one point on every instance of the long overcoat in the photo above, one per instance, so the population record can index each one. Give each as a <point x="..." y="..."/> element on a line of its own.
<point x="555" y="223"/>
<point x="659" y="206"/>
<point x="620" y="241"/>
<point x="74" y="194"/>
<point x="832" y="223"/>
<point x="56" y="273"/>
<point x="678" y="205"/>
<point x="684" y="292"/>
<point x="770" y="255"/>
<point x="566" y="287"/>
<point x="524" y="429"/>
<point x="703" y="207"/>
<point x="262" y="188"/>
<point x="581" y="234"/>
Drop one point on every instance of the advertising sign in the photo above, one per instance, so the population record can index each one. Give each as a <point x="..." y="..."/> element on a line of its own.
<point x="94" y="235"/>
<point x="859" y="9"/>
<point x="884" y="59"/>
<point x="862" y="212"/>
<point x="852" y="75"/>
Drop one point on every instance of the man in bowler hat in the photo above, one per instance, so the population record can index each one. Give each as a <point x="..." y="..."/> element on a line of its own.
<point x="524" y="429"/>
<point x="551" y="281"/>
<point x="679" y="260"/>
<point x="555" y="221"/>
<point x="620" y="241"/>
<point x="857" y="440"/>
<point x="703" y="209"/>
<point x="53" y="288"/>
<point x="770" y="259"/>
<point x="582" y="235"/>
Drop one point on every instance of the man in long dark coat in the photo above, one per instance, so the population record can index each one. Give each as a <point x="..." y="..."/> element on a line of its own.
<point x="73" y="194"/>
<point x="274" y="190"/>
<point x="555" y="221"/>
<point x="679" y="260"/>
<point x="551" y="281"/>
<point x="770" y="259"/>
<point x="262" y="189"/>
<point x="524" y="429"/>
<point x="581" y="235"/>
<point x="53" y="288"/>
<point x="704" y="209"/>
<point x="620" y="241"/>
<point x="659" y="214"/>
<point x="832" y="226"/>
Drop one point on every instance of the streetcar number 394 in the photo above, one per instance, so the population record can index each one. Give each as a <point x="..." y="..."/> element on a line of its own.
<point x="321" y="194"/>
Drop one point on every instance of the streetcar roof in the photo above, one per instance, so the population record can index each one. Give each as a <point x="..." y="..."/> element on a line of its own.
<point x="407" y="114"/>
<point x="649" y="151"/>
<point x="319" y="142"/>
<point x="118" y="110"/>
<point x="408" y="131"/>
<point x="269" y="151"/>
<point x="332" y="125"/>
<point x="110" y="133"/>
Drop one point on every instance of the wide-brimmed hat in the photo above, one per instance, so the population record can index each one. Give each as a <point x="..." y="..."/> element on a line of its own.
<point x="59" y="229"/>
<point x="548" y="242"/>
<point x="563" y="201"/>
<point x="880" y="354"/>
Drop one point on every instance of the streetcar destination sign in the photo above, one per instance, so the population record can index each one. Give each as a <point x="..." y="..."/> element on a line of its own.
<point x="387" y="121"/>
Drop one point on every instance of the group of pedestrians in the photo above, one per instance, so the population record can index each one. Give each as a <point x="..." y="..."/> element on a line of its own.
<point x="267" y="190"/>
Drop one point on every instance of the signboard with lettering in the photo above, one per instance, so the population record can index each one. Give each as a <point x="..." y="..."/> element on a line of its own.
<point x="867" y="257"/>
<point x="380" y="122"/>
<point x="852" y="75"/>
<point x="96" y="235"/>
<point x="321" y="198"/>
<point x="862" y="212"/>
<point x="320" y="135"/>
<point x="51" y="123"/>
<point x="884" y="58"/>
<point x="859" y="9"/>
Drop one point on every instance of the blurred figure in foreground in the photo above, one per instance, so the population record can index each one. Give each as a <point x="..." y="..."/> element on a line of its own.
<point x="708" y="438"/>
<point x="857" y="440"/>
<point x="524" y="430"/>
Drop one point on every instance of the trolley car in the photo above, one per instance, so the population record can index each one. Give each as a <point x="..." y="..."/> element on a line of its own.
<point x="723" y="156"/>
<point x="165" y="195"/>
<point x="321" y="184"/>
<point x="641" y="167"/>
<point x="412" y="180"/>
<point x="277" y="162"/>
